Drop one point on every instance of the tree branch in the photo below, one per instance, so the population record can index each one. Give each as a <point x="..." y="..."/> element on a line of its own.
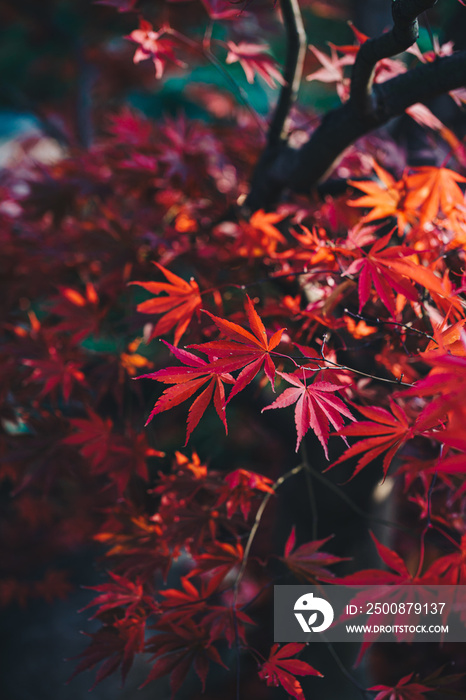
<point x="295" y="50"/>
<point x="404" y="33"/>
<point x="369" y="107"/>
<point x="301" y="170"/>
<point x="278" y="134"/>
<point x="344" y="125"/>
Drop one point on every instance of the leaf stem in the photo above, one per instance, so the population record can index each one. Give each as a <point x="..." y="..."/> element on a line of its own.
<point x="337" y="365"/>
<point x="380" y="321"/>
<point x="257" y="520"/>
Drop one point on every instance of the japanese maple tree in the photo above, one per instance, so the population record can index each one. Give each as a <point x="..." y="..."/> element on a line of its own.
<point x="285" y="257"/>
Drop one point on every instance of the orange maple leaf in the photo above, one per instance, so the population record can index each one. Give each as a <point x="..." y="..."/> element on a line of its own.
<point x="260" y="235"/>
<point x="182" y="300"/>
<point x="446" y="339"/>
<point x="385" y="199"/>
<point x="432" y="191"/>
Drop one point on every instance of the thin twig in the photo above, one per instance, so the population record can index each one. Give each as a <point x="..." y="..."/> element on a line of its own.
<point x="336" y="365"/>
<point x="363" y="374"/>
<point x="292" y="73"/>
<point x="247" y="549"/>
<point x="447" y="536"/>
<point x="371" y="376"/>
<point x="380" y="321"/>
<point x="259" y="514"/>
<point x="344" y="670"/>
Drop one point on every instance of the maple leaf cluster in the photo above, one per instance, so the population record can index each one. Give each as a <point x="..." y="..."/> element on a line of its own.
<point x="346" y="314"/>
<point x="203" y="513"/>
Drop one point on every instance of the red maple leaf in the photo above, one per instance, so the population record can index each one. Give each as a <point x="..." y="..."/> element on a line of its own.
<point x="332" y="68"/>
<point x="402" y="577"/>
<point x="223" y="624"/>
<point x="114" y="645"/>
<point x="187" y="380"/>
<point x="445" y="384"/>
<point x="177" y="649"/>
<point x="218" y="558"/>
<point x="241" y="486"/>
<point x="446" y="339"/>
<point x="316" y="407"/>
<point x="94" y="434"/>
<point x="180" y="605"/>
<point x="454" y="465"/>
<point x="81" y="314"/>
<point x="389" y="268"/>
<point x="452" y="567"/>
<point x="385" y="199"/>
<point x="403" y="690"/>
<point x="154" y="45"/>
<point x="192" y="526"/>
<point x="178" y="307"/>
<point x="259" y="236"/>
<point x="387" y="431"/>
<point x="116" y="456"/>
<point x="119" y="593"/>
<point x="135" y="544"/>
<point x="376" y="269"/>
<point x="130" y="127"/>
<point x="56" y="372"/>
<point x="254" y="59"/>
<point x="189" y="514"/>
<point x="280" y="669"/>
<point x="248" y="350"/>
<point x="306" y="562"/>
<point x="369" y="577"/>
<point x="189" y="465"/>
